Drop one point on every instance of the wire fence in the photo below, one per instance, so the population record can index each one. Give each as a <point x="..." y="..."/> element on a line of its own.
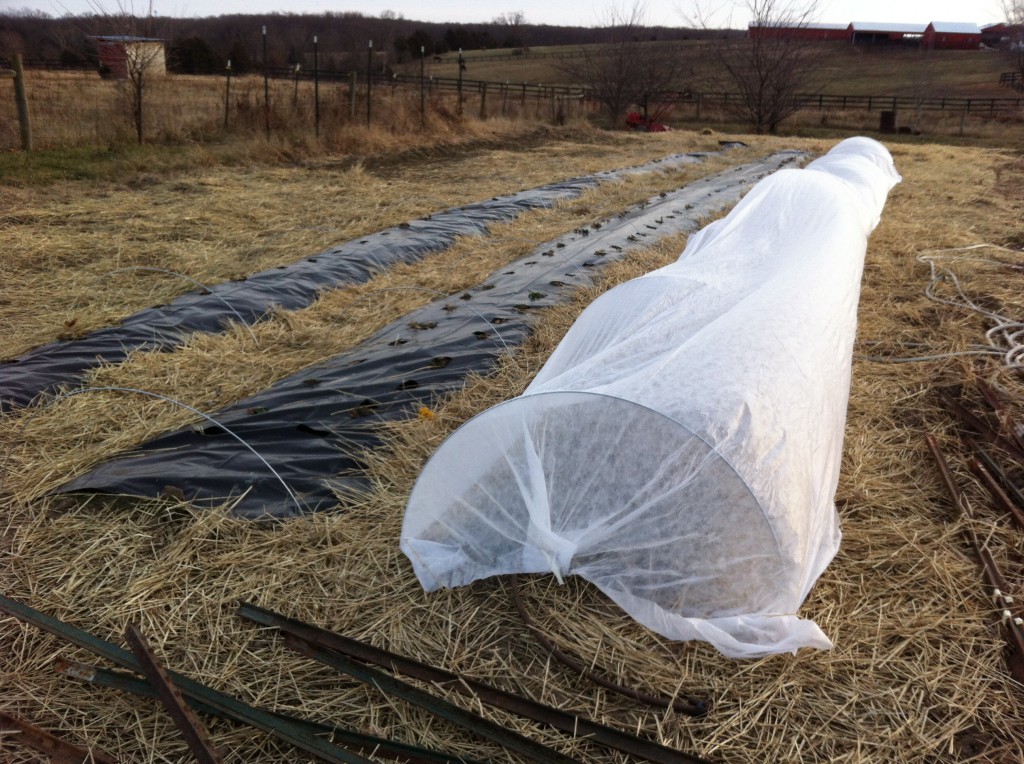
<point x="820" y="101"/>
<point x="79" y="108"/>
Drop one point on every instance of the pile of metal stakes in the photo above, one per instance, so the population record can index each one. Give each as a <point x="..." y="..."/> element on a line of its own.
<point x="182" y="697"/>
<point x="992" y="438"/>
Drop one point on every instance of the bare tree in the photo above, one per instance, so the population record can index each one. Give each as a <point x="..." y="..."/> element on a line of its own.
<point x="772" y="65"/>
<point x="511" y="19"/>
<point x="626" y="70"/>
<point x="143" y="54"/>
<point x="1014" y="12"/>
<point x="384" y="32"/>
<point x="512" y="23"/>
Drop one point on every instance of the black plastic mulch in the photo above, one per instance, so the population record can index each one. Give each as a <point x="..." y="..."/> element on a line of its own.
<point x="291" y="287"/>
<point x="313" y="425"/>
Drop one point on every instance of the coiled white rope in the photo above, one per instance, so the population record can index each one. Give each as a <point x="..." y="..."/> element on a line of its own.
<point x="1005" y="338"/>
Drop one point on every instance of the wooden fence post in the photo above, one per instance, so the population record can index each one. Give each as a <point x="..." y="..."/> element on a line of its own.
<point x="462" y="68"/>
<point x="316" y="85"/>
<point x="483" y="100"/>
<point x="21" y="99"/>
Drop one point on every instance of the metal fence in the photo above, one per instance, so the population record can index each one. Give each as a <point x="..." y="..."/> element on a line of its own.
<point x="821" y="102"/>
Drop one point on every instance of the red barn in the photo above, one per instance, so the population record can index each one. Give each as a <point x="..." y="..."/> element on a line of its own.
<point x="938" y="35"/>
<point x="119" y="53"/>
<point x="876" y="33"/>
<point x="944" y="35"/>
<point x="1001" y="34"/>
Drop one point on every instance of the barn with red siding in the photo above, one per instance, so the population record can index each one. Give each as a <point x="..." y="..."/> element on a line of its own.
<point x="873" y="33"/>
<point x="118" y="53"/>
<point x="943" y="35"/>
<point x="937" y="35"/>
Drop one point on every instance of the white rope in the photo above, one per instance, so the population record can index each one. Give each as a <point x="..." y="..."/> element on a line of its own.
<point x="1006" y="336"/>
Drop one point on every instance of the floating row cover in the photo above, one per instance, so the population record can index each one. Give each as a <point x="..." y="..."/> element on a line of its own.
<point x="681" y="447"/>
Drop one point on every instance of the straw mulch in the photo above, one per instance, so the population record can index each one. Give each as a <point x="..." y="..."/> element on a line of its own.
<point x="77" y="246"/>
<point x="916" y="675"/>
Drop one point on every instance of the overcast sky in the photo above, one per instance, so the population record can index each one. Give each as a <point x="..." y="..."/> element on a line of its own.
<point x="665" y="12"/>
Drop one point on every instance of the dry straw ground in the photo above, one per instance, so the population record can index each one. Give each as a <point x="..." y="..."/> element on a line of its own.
<point x="916" y="674"/>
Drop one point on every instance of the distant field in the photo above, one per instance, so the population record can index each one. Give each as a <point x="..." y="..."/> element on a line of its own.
<point x="843" y="70"/>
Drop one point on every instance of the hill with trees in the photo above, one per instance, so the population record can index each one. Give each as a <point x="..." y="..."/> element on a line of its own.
<point x="204" y="45"/>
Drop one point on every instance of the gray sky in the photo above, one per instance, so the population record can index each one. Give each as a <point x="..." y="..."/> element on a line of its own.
<point x="665" y="12"/>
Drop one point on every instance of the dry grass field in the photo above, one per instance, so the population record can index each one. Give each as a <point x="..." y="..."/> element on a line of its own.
<point x="917" y="673"/>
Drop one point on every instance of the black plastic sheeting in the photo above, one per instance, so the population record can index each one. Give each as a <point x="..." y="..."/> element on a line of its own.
<point x="313" y="425"/>
<point x="291" y="287"/>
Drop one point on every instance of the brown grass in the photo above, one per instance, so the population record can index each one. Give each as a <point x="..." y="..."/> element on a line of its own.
<point x="916" y="675"/>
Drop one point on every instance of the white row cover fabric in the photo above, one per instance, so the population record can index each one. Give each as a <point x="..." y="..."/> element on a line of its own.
<point x="681" y="447"/>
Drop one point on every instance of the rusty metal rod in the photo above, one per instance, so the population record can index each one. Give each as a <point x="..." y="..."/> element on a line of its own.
<point x="368" y="744"/>
<point x="689" y="706"/>
<point x="947" y="475"/>
<point x="980" y="426"/>
<point x="1011" y="488"/>
<point x="998" y="494"/>
<point x="254" y="717"/>
<point x="189" y="726"/>
<point x="1013" y="625"/>
<point x="566" y="722"/>
<point x="58" y="750"/>
<point x="468" y="720"/>
<point x="998" y="406"/>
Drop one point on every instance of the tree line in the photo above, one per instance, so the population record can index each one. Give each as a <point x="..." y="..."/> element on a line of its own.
<point x="204" y="45"/>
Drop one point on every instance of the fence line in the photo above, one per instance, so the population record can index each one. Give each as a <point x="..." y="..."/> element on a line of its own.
<point x="1012" y="80"/>
<point x="189" y="106"/>
<point x="976" y="106"/>
<point x="820" y="101"/>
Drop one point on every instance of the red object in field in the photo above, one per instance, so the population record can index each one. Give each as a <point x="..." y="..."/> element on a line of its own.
<point x="635" y="120"/>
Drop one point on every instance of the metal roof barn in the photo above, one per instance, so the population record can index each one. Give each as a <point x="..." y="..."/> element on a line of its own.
<point x="119" y="55"/>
